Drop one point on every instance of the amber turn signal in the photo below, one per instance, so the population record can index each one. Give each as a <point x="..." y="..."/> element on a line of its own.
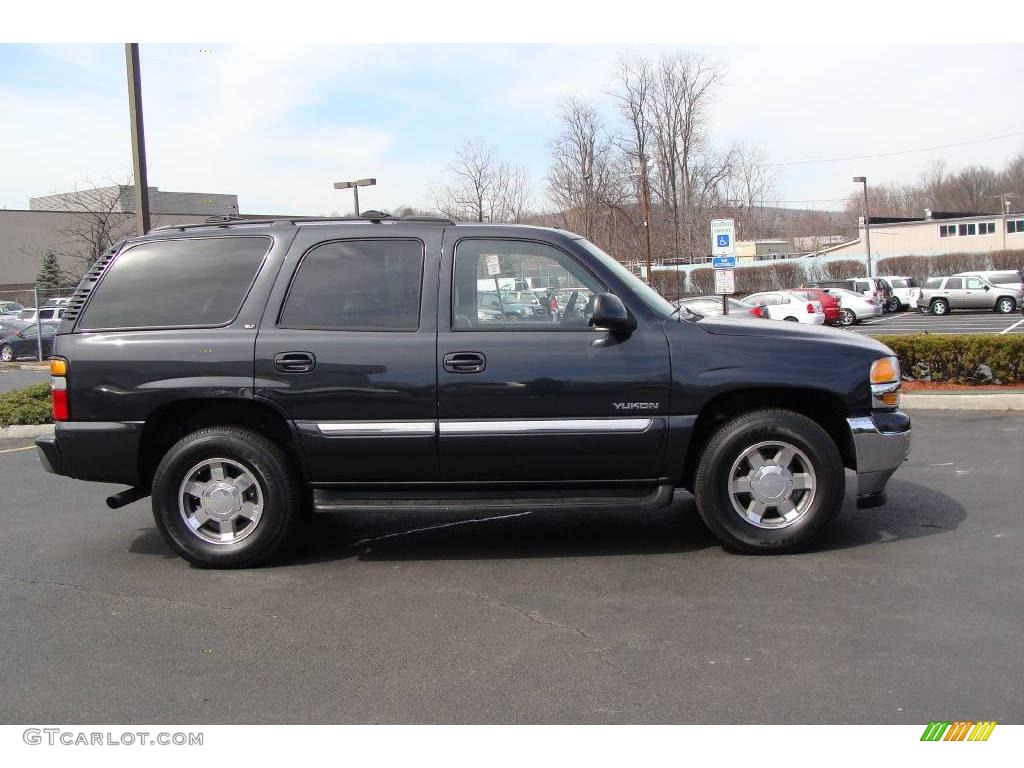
<point x="58" y="367"/>
<point x="885" y="370"/>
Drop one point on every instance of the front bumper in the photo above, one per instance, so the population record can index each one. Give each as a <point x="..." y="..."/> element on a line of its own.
<point x="881" y="443"/>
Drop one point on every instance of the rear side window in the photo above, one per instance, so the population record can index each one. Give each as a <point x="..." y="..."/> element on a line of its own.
<point x="174" y="283"/>
<point x="357" y="285"/>
<point x="933" y="282"/>
<point x="955" y="282"/>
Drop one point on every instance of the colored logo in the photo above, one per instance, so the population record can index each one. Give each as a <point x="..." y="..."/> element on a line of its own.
<point x="959" y="730"/>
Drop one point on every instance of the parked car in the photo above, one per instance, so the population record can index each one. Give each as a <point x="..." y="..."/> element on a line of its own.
<point x="10" y="307"/>
<point x="57" y="301"/>
<point x="869" y="287"/>
<point x="904" y="292"/>
<point x="942" y="295"/>
<point x="25" y="343"/>
<point x="242" y="386"/>
<point x="1004" y="278"/>
<point x="856" y="306"/>
<point x="42" y="314"/>
<point x="831" y="306"/>
<point x="516" y="305"/>
<point x="11" y="324"/>
<point x="712" y="306"/>
<point x="782" y="305"/>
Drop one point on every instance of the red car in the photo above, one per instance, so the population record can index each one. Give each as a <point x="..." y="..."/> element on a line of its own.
<point x="830" y="305"/>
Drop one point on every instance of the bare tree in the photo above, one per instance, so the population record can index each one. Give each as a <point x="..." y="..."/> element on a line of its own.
<point x="634" y="89"/>
<point x="750" y="185"/>
<point x="484" y="188"/>
<point x="95" y="223"/>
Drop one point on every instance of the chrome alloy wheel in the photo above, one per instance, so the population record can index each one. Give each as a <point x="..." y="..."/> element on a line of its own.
<point x="772" y="484"/>
<point x="220" y="501"/>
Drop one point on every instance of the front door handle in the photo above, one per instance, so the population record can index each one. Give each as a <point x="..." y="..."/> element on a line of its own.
<point x="464" y="362"/>
<point x="295" y="362"/>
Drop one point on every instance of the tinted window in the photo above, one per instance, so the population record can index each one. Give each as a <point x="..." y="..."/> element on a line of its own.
<point x="955" y="282"/>
<point x="357" y="285"/>
<point x="188" y="282"/>
<point x="933" y="282"/>
<point x="485" y="295"/>
<point x="1005" y="277"/>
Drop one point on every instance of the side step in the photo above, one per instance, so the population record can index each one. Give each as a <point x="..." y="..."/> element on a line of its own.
<point x="633" y="499"/>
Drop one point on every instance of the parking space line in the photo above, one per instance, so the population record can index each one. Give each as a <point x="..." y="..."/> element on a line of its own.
<point x="1012" y="327"/>
<point x="12" y="450"/>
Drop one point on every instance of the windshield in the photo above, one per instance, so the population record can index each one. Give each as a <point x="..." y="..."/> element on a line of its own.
<point x="648" y="295"/>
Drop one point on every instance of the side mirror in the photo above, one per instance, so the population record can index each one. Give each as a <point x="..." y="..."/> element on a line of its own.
<point x="987" y="288"/>
<point x="610" y="313"/>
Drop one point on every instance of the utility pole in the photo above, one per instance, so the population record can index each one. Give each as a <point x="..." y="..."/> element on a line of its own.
<point x="354" y="186"/>
<point x="1004" y="209"/>
<point x="131" y="55"/>
<point x="867" y="218"/>
<point x="645" y="203"/>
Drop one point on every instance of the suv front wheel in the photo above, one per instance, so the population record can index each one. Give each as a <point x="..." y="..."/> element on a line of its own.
<point x="1005" y="305"/>
<point x="769" y="481"/>
<point x="225" y="497"/>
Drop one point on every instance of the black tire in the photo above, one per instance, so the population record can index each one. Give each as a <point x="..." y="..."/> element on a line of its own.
<point x="7" y="353"/>
<point x="847" y="318"/>
<point x="280" y="489"/>
<point x="792" y="320"/>
<point x="727" y="446"/>
<point x="1005" y="305"/>
<point x="893" y="305"/>
<point x="939" y="307"/>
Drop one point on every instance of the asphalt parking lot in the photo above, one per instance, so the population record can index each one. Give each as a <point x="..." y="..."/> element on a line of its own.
<point x="913" y="321"/>
<point x="903" y="614"/>
<point x="15" y="378"/>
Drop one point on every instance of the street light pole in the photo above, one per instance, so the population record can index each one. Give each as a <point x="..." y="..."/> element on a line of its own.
<point x="867" y="218"/>
<point x="354" y="186"/>
<point x="131" y="55"/>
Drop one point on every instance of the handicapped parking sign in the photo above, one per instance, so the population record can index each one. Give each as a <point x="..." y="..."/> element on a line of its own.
<point x="723" y="237"/>
<point x="723" y="241"/>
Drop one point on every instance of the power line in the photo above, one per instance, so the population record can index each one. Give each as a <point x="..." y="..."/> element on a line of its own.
<point x="893" y="154"/>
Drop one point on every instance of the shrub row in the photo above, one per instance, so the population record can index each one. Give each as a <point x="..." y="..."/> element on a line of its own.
<point x="28" y="405"/>
<point x="959" y="359"/>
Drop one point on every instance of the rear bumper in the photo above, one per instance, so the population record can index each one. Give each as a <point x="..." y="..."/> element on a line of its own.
<point x="881" y="443"/>
<point x="93" y="450"/>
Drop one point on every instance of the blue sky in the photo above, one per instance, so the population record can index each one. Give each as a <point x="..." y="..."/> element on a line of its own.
<point x="277" y="125"/>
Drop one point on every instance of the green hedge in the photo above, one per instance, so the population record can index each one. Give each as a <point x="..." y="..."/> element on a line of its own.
<point x="28" y="405"/>
<point x="959" y="359"/>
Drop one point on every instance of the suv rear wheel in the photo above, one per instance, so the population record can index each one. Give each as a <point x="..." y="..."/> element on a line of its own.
<point x="225" y="497"/>
<point x="940" y="307"/>
<point x="769" y="481"/>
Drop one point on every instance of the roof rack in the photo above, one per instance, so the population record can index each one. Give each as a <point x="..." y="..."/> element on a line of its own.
<point x="368" y="216"/>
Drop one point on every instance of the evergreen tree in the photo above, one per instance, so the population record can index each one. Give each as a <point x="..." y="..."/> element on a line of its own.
<point x="49" y="271"/>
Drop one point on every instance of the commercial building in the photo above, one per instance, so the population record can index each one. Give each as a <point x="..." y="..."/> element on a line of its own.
<point x="936" y="233"/>
<point x="120" y="198"/>
<point x="764" y="250"/>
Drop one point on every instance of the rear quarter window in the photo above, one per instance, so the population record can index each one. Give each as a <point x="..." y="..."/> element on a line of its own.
<point x="933" y="282"/>
<point x="192" y="282"/>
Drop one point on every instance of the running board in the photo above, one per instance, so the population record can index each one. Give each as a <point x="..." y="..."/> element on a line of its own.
<point x="631" y="499"/>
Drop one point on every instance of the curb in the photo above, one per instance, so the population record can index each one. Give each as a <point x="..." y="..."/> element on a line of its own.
<point x="962" y="402"/>
<point x="24" y="366"/>
<point x="25" y="430"/>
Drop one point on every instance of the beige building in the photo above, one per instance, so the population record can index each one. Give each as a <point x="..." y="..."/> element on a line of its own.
<point x="935" y="234"/>
<point x="764" y="250"/>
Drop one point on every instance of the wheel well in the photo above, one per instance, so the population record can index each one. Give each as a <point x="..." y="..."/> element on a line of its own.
<point x="173" y="421"/>
<point x="824" y="409"/>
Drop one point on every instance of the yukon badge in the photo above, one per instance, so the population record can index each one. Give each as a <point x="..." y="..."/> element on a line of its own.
<point x="636" y="406"/>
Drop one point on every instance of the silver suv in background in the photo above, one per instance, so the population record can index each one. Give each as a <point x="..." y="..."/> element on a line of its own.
<point x="941" y="295"/>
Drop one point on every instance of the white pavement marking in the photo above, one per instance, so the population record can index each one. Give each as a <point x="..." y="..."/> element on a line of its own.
<point x="12" y="450"/>
<point x="1012" y="327"/>
<point x="876" y="320"/>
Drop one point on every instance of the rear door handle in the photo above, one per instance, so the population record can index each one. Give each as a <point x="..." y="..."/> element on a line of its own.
<point x="295" y="362"/>
<point x="464" y="362"/>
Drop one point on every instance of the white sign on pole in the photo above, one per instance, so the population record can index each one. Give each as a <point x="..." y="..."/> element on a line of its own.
<point x="725" y="282"/>
<point x="723" y="237"/>
<point x="493" y="265"/>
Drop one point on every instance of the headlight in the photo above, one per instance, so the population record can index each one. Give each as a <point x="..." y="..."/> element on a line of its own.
<point x="885" y="383"/>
